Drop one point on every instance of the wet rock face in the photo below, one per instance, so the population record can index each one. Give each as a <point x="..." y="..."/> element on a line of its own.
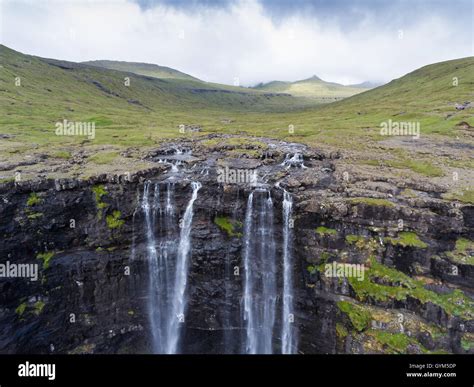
<point x="89" y="241"/>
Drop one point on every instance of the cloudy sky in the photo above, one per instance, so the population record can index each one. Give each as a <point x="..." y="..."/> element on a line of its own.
<point x="252" y="40"/>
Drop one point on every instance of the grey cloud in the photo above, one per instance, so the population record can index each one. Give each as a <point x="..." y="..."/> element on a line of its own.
<point x="246" y="39"/>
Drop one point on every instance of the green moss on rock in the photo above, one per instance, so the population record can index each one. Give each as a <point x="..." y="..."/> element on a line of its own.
<point x="229" y="226"/>
<point x="21" y="309"/>
<point x="464" y="196"/>
<point x="46" y="258"/>
<point x="341" y="331"/>
<point x="325" y="255"/>
<point x="360" y="318"/>
<point x="395" y="342"/>
<point x="382" y="283"/>
<point x="99" y="191"/>
<point x="352" y="239"/>
<point x="407" y="239"/>
<point x="463" y="252"/>
<point x="113" y="220"/>
<point x="38" y="307"/>
<point x="467" y="341"/>
<point x="369" y="245"/>
<point x="33" y="200"/>
<point x="325" y="231"/>
<point x="34" y="215"/>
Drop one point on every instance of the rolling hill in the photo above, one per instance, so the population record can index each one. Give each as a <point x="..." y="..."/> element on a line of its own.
<point x="428" y="95"/>
<point x="49" y="90"/>
<point x="147" y="69"/>
<point x="313" y="88"/>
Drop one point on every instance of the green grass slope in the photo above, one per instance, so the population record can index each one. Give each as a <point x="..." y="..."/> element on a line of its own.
<point x="48" y="91"/>
<point x="428" y="95"/>
<point x="147" y="69"/>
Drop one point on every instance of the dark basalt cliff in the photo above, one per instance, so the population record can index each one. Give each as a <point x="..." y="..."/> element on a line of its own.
<point x="89" y="240"/>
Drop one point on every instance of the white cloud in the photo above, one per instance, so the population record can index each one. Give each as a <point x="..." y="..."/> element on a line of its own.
<point x="220" y="44"/>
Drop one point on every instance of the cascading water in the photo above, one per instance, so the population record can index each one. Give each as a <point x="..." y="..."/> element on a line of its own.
<point x="174" y="164"/>
<point x="181" y="274"/>
<point x="260" y="280"/>
<point x="260" y="290"/>
<point x="287" y="335"/>
<point x="166" y="288"/>
<point x="169" y="262"/>
<point x="152" y="255"/>
<point x="296" y="161"/>
<point x="134" y="236"/>
<point x="158" y="253"/>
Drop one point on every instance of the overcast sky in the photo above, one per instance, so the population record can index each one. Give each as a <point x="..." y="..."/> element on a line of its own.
<point x="252" y="40"/>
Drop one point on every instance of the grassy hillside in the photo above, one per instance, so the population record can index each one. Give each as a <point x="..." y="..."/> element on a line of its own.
<point x="147" y="69"/>
<point x="150" y="110"/>
<point x="427" y="95"/>
<point x="313" y="88"/>
<point x="51" y="90"/>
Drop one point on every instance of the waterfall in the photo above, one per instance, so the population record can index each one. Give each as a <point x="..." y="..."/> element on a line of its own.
<point x="134" y="236"/>
<point x="168" y="259"/>
<point x="158" y="254"/>
<point x="287" y="335"/>
<point x="181" y="274"/>
<point x="154" y="267"/>
<point x="260" y="275"/>
<point x="250" y="345"/>
<point x="293" y="161"/>
<point x="166" y="298"/>
<point x="260" y="291"/>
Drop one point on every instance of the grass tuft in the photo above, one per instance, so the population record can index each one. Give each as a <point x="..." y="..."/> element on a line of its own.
<point x="46" y="258"/>
<point x="407" y="239"/>
<point x="229" y="226"/>
<point x="325" y="231"/>
<point x="33" y="200"/>
<point x="114" y="221"/>
<point x="360" y="318"/>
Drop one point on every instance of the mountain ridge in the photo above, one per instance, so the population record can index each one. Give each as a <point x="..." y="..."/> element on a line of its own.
<point x="141" y="68"/>
<point x="285" y="87"/>
<point x="313" y="88"/>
